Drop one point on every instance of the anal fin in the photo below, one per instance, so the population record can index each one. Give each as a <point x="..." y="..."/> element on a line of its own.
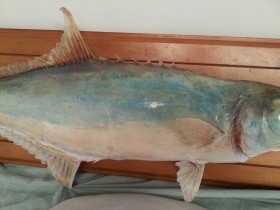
<point x="189" y="176"/>
<point x="62" y="166"/>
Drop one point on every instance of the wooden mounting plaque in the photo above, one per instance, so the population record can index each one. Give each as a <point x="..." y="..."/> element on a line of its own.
<point x="221" y="57"/>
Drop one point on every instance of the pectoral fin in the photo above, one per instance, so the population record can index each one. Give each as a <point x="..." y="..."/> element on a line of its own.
<point x="198" y="132"/>
<point x="189" y="176"/>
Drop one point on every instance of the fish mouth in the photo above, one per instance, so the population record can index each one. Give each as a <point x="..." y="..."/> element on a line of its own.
<point x="271" y="117"/>
<point x="269" y="131"/>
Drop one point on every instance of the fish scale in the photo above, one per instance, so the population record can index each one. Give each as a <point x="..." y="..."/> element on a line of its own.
<point x="149" y="94"/>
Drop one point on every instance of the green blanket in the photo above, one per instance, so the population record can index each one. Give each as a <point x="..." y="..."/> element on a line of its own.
<point x="23" y="187"/>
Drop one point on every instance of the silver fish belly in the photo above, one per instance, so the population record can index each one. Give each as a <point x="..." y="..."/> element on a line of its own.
<point x="67" y="106"/>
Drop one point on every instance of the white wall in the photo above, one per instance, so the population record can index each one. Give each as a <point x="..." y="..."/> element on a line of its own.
<point x="240" y="18"/>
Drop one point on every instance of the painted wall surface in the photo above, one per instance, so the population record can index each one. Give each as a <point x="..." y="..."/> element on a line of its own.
<point x="239" y="18"/>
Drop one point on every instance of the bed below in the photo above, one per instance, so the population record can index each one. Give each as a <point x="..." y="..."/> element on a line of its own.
<point x="24" y="187"/>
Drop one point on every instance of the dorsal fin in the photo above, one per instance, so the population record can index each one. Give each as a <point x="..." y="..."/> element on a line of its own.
<point x="71" y="49"/>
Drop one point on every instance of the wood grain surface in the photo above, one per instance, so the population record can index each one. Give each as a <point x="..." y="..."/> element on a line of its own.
<point x="221" y="57"/>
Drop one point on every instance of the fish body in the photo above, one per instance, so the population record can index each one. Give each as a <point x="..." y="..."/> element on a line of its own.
<point x="124" y="111"/>
<point x="95" y="110"/>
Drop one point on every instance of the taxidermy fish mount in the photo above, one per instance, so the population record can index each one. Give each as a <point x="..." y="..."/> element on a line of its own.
<point x="67" y="106"/>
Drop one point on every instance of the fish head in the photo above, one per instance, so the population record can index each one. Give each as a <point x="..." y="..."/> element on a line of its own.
<point x="260" y="124"/>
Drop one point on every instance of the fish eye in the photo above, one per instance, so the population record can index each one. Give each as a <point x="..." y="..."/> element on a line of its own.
<point x="273" y="116"/>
